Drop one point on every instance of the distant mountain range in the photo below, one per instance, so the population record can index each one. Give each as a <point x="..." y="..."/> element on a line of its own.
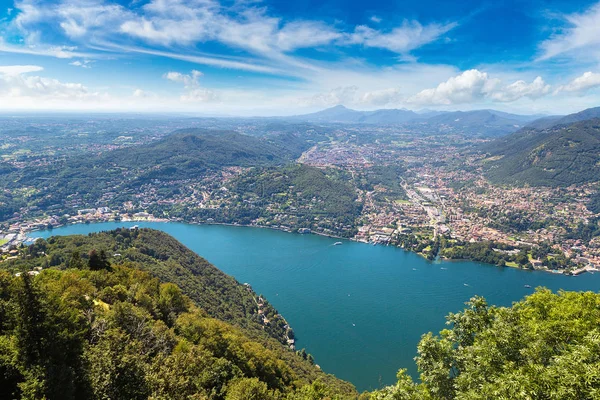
<point x="550" y="152"/>
<point x="479" y="122"/>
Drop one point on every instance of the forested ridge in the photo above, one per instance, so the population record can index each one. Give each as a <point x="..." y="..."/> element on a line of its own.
<point x="561" y="155"/>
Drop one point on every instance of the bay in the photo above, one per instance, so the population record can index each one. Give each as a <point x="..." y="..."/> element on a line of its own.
<point x="359" y="309"/>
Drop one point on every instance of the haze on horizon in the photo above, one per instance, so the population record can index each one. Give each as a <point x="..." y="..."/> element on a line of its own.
<point x="275" y="57"/>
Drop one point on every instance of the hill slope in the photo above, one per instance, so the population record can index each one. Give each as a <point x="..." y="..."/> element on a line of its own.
<point x="91" y="326"/>
<point x="183" y="155"/>
<point x="559" y="156"/>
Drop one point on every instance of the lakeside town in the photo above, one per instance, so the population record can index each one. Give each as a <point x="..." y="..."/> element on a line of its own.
<point x="407" y="187"/>
<point x="432" y="209"/>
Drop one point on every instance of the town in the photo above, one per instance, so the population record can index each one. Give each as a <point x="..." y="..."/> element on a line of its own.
<point x="407" y="187"/>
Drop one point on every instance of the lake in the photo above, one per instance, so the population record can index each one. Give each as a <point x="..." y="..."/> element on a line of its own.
<point x="359" y="309"/>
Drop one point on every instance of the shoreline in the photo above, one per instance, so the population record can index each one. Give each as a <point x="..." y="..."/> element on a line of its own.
<point x="166" y="220"/>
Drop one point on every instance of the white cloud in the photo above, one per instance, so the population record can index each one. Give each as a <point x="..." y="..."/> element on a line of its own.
<point x="581" y="37"/>
<point x="243" y="25"/>
<point x="42" y="50"/>
<point x="353" y="96"/>
<point x="474" y="85"/>
<point x="82" y="63"/>
<point x="520" y="88"/>
<point x="382" y="97"/>
<point x="305" y="34"/>
<point x="193" y="91"/>
<point x="339" y="95"/>
<point x="375" y="19"/>
<point x="467" y="87"/>
<point x="403" y="39"/>
<point x="144" y="94"/>
<point x="12" y="70"/>
<point x="16" y="83"/>
<point x="582" y="83"/>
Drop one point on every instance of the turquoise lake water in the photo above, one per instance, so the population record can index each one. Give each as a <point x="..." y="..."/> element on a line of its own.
<point x="359" y="309"/>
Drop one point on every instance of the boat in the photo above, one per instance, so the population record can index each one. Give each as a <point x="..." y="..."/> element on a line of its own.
<point x="466" y="284"/>
<point x="337" y="243"/>
<point x="528" y="286"/>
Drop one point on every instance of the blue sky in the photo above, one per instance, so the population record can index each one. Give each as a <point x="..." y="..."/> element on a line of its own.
<point x="252" y="57"/>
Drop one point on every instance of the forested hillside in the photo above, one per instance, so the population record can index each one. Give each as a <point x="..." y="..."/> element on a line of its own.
<point x="185" y="155"/>
<point x="132" y="314"/>
<point x="303" y="193"/>
<point x="559" y="156"/>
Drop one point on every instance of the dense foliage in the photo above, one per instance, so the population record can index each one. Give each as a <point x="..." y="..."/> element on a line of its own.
<point x="544" y="347"/>
<point x="302" y="192"/>
<point x="104" y="319"/>
<point x="387" y="176"/>
<point x="121" y="334"/>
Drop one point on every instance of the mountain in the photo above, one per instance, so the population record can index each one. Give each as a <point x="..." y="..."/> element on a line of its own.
<point x="199" y="148"/>
<point x="544" y="122"/>
<point x="586" y="114"/>
<point x="478" y="122"/>
<point x="550" y="121"/>
<point x="133" y="314"/>
<point x="341" y="114"/>
<point x="334" y="114"/>
<point x="389" y="116"/>
<point x="562" y="155"/>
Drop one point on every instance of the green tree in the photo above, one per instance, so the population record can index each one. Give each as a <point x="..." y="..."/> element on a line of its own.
<point x="248" y="389"/>
<point x="75" y="261"/>
<point x="98" y="260"/>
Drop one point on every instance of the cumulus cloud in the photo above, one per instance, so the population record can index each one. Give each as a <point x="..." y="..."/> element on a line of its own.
<point x="144" y="94"/>
<point x="474" y="85"/>
<point x="580" y="36"/>
<point x="519" y="89"/>
<point x="381" y="97"/>
<point x="16" y="82"/>
<point x="469" y="86"/>
<point x="582" y="83"/>
<point x="193" y="92"/>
